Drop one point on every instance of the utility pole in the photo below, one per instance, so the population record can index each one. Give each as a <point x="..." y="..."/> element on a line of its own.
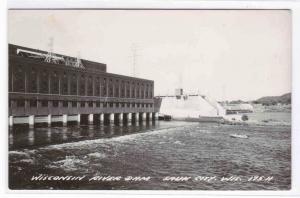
<point x="134" y="49"/>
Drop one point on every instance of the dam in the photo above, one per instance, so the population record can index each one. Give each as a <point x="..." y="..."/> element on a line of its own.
<point x="192" y="107"/>
<point x="45" y="87"/>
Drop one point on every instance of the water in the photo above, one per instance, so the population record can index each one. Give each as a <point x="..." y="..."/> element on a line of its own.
<point x="155" y="150"/>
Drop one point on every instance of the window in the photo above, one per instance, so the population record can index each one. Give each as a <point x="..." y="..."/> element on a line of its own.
<point x="117" y="104"/>
<point x="90" y="104"/>
<point x="97" y="87"/>
<point x="74" y="104"/>
<point x="97" y="104"/>
<point x="44" y="103"/>
<point x="55" y="103"/>
<point x="128" y="104"/>
<point x="33" y="103"/>
<point x="19" y="79"/>
<point x="104" y="87"/>
<point x="90" y="86"/>
<point x="117" y="92"/>
<point x="82" y="104"/>
<point x="44" y="82"/>
<point x="105" y="104"/>
<point x="20" y="103"/>
<point x="54" y="83"/>
<point x="65" y="103"/>
<point x="32" y="81"/>
<point x="111" y="104"/>
<point x="65" y="84"/>
<point x="82" y="85"/>
<point x="123" y="104"/>
<point x="74" y="85"/>
<point x="110" y="92"/>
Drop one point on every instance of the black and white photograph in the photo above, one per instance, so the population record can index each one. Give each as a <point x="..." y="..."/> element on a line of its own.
<point x="149" y="99"/>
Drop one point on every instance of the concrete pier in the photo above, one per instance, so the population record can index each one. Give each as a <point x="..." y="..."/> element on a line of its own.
<point x="111" y="118"/>
<point x="65" y="119"/>
<point x="136" y="118"/>
<point x="11" y="121"/>
<point x="49" y="121"/>
<point x="91" y="118"/>
<point x="31" y="121"/>
<point x="78" y="118"/>
<point x="144" y="116"/>
<point x="102" y="118"/>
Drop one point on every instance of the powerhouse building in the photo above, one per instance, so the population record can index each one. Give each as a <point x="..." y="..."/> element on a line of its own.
<point x="45" y="86"/>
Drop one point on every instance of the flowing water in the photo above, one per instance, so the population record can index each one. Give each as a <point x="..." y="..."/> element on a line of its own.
<point x="154" y="152"/>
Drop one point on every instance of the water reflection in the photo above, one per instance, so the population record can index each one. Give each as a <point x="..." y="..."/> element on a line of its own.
<point x="49" y="134"/>
<point x="64" y="133"/>
<point x="31" y="136"/>
<point x="23" y="137"/>
<point x="11" y="138"/>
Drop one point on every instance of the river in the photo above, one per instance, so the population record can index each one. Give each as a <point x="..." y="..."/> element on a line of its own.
<point x="157" y="151"/>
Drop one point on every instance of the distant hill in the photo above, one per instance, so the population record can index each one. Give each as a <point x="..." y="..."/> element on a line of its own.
<point x="273" y="100"/>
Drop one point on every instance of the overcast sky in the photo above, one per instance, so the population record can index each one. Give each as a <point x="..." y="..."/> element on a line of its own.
<point x="224" y="54"/>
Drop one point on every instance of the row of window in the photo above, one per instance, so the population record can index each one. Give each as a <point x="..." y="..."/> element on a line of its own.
<point x="55" y="103"/>
<point x="77" y="84"/>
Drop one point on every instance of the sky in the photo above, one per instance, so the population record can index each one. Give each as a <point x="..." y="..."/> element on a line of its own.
<point x="226" y="54"/>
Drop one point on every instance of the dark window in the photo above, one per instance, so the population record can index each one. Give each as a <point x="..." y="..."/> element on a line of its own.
<point x="111" y="104"/>
<point x="110" y="92"/>
<point x="54" y="83"/>
<point x="44" y="103"/>
<point x="90" y="104"/>
<point x="104" y="87"/>
<point x="104" y="91"/>
<point x="82" y="85"/>
<point x="18" y="79"/>
<point x="117" y="104"/>
<point x="105" y="104"/>
<point x="20" y="103"/>
<point x="138" y="105"/>
<point x="122" y="93"/>
<point x="32" y="81"/>
<point x="74" y="104"/>
<point x="128" y="93"/>
<point x="97" y="87"/>
<point x="65" y="103"/>
<point x="128" y="104"/>
<point x="55" y="103"/>
<point x="97" y="104"/>
<point x="65" y="84"/>
<point x="44" y="82"/>
<point x="123" y="104"/>
<point x="33" y="103"/>
<point x="90" y="86"/>
<point x="74" y="85"/>
<point x="82" y="104"/>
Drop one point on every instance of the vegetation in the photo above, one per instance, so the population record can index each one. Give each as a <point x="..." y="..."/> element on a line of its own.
<point x="274" y="100"/>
